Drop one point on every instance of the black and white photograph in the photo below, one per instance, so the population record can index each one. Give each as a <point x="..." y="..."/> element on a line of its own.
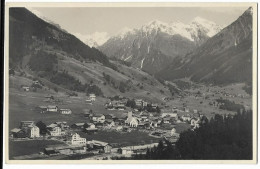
<point x="131" y="82"/>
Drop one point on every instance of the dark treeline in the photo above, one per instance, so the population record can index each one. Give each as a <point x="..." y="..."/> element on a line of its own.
<point x="221" y="138"/>
<point x="229" y="105"/>
<point x="248" y="88"/>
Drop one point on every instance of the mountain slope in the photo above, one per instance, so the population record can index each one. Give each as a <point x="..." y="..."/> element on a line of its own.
<point x="156" y="44"/>
<point x="62" y="63"/>
<point x="30" y="34"/>
<point x="224" y="58"/>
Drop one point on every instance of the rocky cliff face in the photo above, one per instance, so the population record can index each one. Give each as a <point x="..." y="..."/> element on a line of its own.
<point x="224" y="58"/>
<point x="156" y="44"/>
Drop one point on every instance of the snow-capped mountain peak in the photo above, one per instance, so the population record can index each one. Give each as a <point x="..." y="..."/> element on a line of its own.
<point x="157" y="42"/>
<point x="124" y="32"/>
<point x="209" y="27"/>
<point x="93" y="40"/>
<point x="190" y="31"/>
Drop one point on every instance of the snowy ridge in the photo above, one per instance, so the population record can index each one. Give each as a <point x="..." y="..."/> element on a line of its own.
<point x="209" y="27"/>
<point x="189" y="31"/>
<point x="93" y="40"/>
<point x="124" y="32"/>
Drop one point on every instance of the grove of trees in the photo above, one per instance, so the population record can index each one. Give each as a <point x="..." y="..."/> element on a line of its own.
<point x="220" y="138"/>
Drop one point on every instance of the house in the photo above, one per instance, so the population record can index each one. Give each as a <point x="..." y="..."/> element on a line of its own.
<point x="119" y="128"/>
<point x="92" y="97"/>
<point x="186" y="117"/>
<point x="91" y="130"/>
<point x="125" y="151"/>
<point x="94" y="144"/>
<point x="99" y="118"/>
<point x="145" y="104"/>
<point x="25" y="124"/>
<point x="91" y="125"/>
<point x="131" y="121"/>
<point x="75" y="139"/>
<point x="173" y="131"/>
<point x="89" y="101"/>
<point x="120" y="107"/>
<point x="99" y="125"/>
<point x="52" y="125"/>
<point x="54" y="131"/>
<point x="77" y="126"/>
<point x="63" y="125"/>
<point x="33" y="131"/>
<point x="43" y="109"/>
<point x="139" y="102"/>
<point x="18" y="133"/>
<point x="65" y="111"/>
<point x="154" y="105"/>
<point x="139" y="149"/>
<point x="166" y="120"/>
<point x="170" y="114"/>
<point x="26" y="88"/>
<point x="52" y="108"/>
<point x="109" y="122"/>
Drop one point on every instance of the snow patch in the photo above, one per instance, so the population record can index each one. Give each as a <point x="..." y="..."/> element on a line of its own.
<point x="142" y="62"/>
<point x="128" y="58"/>
<point x="124" y="32"/>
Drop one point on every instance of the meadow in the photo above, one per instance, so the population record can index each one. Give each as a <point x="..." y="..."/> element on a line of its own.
<point x="28" y="147"/>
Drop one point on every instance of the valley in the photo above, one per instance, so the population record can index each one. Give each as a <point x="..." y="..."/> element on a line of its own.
<point x="141" y="89"/>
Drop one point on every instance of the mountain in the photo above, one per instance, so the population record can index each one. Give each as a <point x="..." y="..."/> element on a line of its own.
<point x="64" y="64"/>
<point x="30" y="35"/>
<point x="154" y="45"/>
<point x="224" y="58"/>
<point x="93" y="40"/>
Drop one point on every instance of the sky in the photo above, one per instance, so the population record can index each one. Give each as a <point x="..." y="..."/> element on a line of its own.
<point x="106" y="22"/>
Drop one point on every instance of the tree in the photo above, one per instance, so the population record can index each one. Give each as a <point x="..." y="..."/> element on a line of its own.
<point x="121" y="87"/>
<point x="131" y="103"/>
<point x="42" y="127"/>
<point x="222" y="138"/>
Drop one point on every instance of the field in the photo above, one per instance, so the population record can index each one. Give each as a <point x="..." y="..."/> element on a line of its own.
<point x="210" y="94"/>
<point x="28" y="147"/>
<point x="22" y="107"/>
<point x="118" y="139"/>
